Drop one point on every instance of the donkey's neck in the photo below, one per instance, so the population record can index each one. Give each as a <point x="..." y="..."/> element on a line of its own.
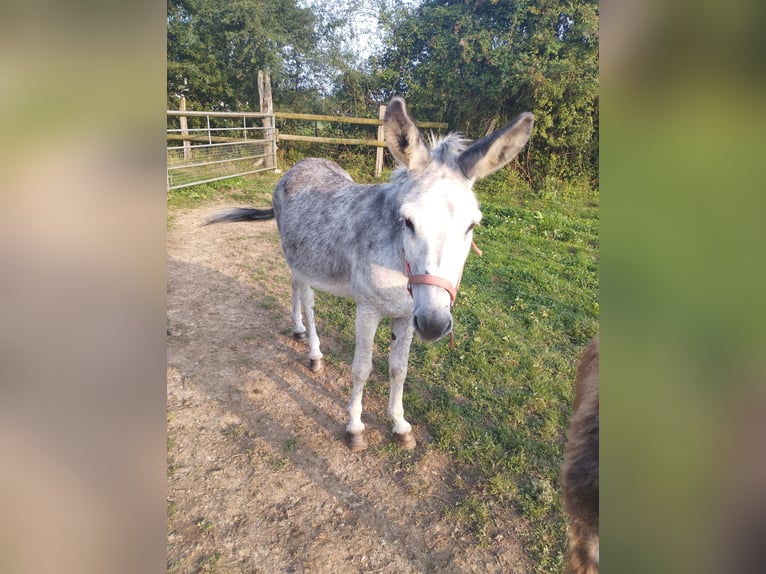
<point x="379" y="230"/>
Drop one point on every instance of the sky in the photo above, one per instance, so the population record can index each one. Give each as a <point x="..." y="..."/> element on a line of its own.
<point x="361" y="27"/>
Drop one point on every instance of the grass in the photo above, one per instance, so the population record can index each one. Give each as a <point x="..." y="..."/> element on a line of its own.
<point x="291" y="445"/>
<point x="209" y="562"/>
<point x="475" y="511"/>
<point x="498" y="402"/>
<point x="204" y="525"/>
<point x="233" y="431"/>
<point x="255" y="191"/>
<point x="257" y="455"/>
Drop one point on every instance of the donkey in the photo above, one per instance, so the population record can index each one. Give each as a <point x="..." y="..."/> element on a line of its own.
<point x="397" y="248"/>
<point x="579" y="474"/>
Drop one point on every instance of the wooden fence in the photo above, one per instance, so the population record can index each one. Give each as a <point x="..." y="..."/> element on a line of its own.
<point x="255" y="147"/>
<point x="379" y="142"/>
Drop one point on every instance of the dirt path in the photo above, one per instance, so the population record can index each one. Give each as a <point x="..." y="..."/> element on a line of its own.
<point x="259" y="479"/>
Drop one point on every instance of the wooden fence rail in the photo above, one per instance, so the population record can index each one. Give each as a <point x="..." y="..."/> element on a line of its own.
<point x="191" y="113"/>
<point x="342" y="120"/>
<point x="350" y="120"/>
<point x="325" y="140"/>
<point x="207" y="135"/>
<point x="267" y="136"/>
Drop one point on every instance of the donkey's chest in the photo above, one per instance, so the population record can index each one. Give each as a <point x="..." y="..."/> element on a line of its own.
<point x="384" y="289"/>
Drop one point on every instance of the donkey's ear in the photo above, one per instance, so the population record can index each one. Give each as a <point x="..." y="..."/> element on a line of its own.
<point x="403" y="137"/>
<point x="492" y="152"/>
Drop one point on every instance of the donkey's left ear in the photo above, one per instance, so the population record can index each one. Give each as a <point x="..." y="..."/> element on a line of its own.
<point x="492" y="152"/>
<point x="403" y="137"/>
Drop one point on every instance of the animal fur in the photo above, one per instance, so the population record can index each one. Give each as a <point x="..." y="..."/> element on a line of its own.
<point x="579" y="475"/>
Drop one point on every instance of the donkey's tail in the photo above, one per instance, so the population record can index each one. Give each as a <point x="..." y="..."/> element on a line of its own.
<point x="240" y="214"/>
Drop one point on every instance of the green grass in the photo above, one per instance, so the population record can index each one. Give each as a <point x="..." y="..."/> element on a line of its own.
<point x="204" y="525"/>
<point x="498" y="402"/>
<point x="255" y="190"/>
<point x="209" y="562"/>
<point x="258" y="455"/>
<point x="233" y="431"/>
<point x="291" y="444"/>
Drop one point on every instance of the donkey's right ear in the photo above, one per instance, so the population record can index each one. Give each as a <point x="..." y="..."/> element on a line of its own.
<point x="403" y="137"/>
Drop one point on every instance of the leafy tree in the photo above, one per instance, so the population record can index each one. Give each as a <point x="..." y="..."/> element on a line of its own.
<point x="216" y="47"/>
<point x="473" y="63"/>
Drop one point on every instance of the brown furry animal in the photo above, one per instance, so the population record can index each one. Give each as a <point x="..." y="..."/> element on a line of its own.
<point x="579" y="473"/>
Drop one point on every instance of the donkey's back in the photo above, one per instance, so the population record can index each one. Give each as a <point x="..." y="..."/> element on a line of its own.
<point x="324" y="217"/>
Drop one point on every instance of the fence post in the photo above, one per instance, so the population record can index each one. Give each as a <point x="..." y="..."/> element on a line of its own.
<point x="267" y="107"/>
<point x="184" y="128"/>
<point x="379" y="151"/>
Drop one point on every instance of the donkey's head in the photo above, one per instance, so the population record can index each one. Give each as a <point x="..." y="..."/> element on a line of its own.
<point x="438" y="208"/>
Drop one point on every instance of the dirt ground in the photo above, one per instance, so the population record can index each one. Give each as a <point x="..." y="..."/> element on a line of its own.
<point x="259" y="478"/>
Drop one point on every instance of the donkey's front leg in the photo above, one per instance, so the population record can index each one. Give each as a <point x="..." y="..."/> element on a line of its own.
<point x="366" y="325"/>
<point x="401" y="338"/>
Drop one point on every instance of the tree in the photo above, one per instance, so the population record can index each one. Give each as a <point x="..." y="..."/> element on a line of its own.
<point x="474" y="62"/>
<point x="216" y="47"/>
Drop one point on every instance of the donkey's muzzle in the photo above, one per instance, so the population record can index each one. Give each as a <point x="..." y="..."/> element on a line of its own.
<point x="432" y="326"/>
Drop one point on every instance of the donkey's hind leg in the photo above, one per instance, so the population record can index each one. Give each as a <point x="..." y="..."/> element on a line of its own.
<point x="303" y="295"/>
<point x="401" y="338"/>
<point x="299" y="330"/>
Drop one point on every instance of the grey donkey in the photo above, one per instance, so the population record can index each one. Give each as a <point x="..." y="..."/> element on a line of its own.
<point x="397" y="248"/>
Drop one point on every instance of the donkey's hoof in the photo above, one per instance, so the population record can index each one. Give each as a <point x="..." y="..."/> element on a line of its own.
<point x="356" y="441"/>
<point x="300" y="337"/>
<point x="316" y="365"/>
<point x="405" y="440"/>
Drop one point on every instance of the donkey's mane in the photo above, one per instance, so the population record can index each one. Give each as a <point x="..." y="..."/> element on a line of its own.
<point x="451" y="144"/>
<point x="444" y="149"/>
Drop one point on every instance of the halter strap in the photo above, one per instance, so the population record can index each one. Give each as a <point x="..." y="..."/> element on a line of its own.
<point x="423" y="279"/>
<point x="428" y="279"/>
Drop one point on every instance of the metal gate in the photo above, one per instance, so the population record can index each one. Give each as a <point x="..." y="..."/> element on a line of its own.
<point x="209" y="146"/>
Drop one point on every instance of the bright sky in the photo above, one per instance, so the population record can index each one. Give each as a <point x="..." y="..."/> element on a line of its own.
<point x="362" y="35"/>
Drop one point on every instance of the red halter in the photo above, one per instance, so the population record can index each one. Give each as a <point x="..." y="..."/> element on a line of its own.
<point x="428" y="279"/>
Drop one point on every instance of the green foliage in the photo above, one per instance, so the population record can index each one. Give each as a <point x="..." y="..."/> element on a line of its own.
<point x="209" y="562"/>
<point x="475" y="513"/>
<point x="216" y="47"/>
<point x="475" y="62"/>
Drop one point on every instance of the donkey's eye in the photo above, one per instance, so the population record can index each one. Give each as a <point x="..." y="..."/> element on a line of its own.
<point x="408" y="223"/>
